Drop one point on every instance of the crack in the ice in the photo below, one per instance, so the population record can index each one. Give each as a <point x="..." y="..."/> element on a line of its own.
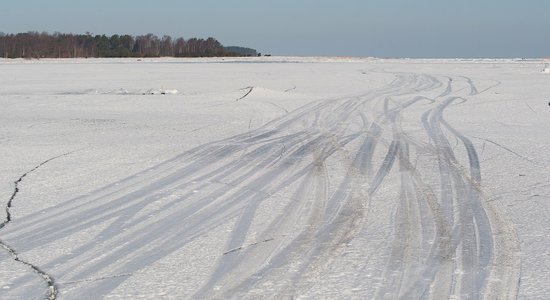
<point x="250" y="245"/>
<point x="509" y="150"/>
<point x="97" y="279"/>
<point x="52" y="288"/>
<point x="250" y="89"/>
<point x="49" y="280"/>
<point x="290" y="89"/>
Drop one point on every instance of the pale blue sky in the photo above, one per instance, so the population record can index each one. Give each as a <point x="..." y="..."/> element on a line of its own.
<point x="383" y="28"/>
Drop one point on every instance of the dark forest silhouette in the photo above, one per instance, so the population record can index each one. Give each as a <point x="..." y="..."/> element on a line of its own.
<point x="60" y="45"/>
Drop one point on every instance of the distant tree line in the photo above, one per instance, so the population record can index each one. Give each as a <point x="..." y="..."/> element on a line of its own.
<point x="242" y="51"/>
<point x="60" y="45"/>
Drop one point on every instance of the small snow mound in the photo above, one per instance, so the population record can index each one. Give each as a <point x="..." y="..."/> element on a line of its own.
<point x="160" y="92"/>
<point x="546" y="70"/>
<point x="91" y="92"/>
<point x="152" y="92"/>
<point x="121" y="91"/>
<point x="170" y="92"/>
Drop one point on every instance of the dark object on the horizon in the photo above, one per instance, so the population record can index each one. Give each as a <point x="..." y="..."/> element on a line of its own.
<point x="60" y="45"/>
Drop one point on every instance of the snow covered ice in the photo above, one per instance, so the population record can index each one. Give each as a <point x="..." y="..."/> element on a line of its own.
<point x="274" y="178"/>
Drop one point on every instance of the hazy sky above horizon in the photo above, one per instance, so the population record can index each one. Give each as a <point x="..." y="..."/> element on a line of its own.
<point x="382" y="28"/>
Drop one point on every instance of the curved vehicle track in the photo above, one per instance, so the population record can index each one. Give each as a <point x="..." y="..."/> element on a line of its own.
<point x="296" y="195"/>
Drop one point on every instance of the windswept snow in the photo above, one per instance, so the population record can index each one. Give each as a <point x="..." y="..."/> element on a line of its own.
<point x="275" y="178"/>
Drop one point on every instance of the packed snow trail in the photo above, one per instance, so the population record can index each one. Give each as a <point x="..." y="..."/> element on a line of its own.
<point x="294" y="198"/>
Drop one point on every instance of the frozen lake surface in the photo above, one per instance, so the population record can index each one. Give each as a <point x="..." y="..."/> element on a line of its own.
<point x="274" y="178"/>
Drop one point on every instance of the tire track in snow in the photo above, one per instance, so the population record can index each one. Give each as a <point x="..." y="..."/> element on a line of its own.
<point x="481" y="266"/>
<point x="349" y="186"/>
<point x="498" y="258"/>
<point x="449" y="282"/>
<point x="341" y="112"/>
<point x="225" y="183"/>
<point x="473" y="88"/>
<point x="404" y="259"/>
<point x="200" y="158"/>
<point x="472" y="238"/>
<point x="449" y="88"/>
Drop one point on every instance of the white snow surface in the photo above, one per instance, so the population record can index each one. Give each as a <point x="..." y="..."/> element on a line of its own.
<point x="310" y="178"/>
